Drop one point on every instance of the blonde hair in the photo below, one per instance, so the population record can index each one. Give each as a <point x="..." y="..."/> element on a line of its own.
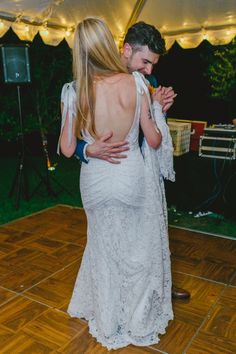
<point x="94" y="54"/>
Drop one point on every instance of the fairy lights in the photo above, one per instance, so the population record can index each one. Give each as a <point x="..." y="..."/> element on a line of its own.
<point x="68" y="32"/>
<point x="44" y="31"/>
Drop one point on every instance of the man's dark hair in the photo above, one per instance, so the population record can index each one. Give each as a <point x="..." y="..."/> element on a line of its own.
<point x="141" y="34"/>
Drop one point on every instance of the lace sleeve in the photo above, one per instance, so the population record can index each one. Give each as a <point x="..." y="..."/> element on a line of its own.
<point x="69" y="111"/>
<point x="164" y="154"/>
<point x="165" y="151"/>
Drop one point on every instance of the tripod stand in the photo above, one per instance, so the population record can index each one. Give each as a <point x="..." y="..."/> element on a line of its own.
<point x="20" y="183"/>
<point x="48" y="178"/>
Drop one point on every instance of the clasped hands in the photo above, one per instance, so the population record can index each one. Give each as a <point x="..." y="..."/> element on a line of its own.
<point x="165" y="96"/>
<point x="114" y="152"/>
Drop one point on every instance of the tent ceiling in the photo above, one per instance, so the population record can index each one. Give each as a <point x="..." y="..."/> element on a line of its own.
<point x="186" y="21"/>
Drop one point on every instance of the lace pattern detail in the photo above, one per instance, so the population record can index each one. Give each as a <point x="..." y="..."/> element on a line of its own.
<point x="163" y="156"/>
<point x="123" y="287"/>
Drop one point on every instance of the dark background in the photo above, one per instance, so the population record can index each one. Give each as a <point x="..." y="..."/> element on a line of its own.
<point x="201" y="183"/>
<point x="186" y="71"/>
<point x="183" y="69"/>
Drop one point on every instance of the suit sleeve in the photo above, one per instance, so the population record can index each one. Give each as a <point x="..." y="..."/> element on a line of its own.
<point x="80" y="151"/>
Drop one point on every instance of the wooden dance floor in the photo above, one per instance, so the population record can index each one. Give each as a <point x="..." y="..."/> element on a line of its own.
<point x="40" y="256"/>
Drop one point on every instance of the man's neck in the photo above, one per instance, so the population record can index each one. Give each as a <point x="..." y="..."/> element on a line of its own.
<point x="124" y="61"/>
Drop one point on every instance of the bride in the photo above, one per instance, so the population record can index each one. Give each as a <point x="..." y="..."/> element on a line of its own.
<point x="123" y="288"/>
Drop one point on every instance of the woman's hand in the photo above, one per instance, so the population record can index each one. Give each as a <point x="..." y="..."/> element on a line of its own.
<point x="159" y="95"/>
<point x="165" y="96"/>
<point x="169" y="96"/>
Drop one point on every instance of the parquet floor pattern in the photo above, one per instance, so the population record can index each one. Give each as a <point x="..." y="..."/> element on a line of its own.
<point x="39" y="259"/>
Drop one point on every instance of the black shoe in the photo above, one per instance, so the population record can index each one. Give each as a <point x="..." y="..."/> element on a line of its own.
<point x="180" y="294"/>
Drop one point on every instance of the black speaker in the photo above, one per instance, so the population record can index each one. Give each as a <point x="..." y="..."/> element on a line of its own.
<point x="16" y="66"/>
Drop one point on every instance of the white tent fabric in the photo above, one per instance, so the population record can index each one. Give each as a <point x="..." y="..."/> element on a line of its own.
<point x="186" y="21"/>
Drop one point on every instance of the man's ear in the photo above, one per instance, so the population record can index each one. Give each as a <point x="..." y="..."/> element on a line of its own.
<point x="127" y="50"/>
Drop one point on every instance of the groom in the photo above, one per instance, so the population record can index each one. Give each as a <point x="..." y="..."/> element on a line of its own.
<point x="143" y="46"/>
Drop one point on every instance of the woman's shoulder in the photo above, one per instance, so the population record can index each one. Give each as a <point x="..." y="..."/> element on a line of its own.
<point x="126" y="90"/>
<point x="125" y="80"/>
<point x="120" y="82"/>
<point x="136" y="80"/>
<point x="126" y="76"/>
<point x="141" y="83"/>
<point x="118" y="78"/>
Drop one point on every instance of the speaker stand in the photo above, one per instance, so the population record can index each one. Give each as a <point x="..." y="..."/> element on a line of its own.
<point x="48" y="179"/>
<point x="20" y="183"/>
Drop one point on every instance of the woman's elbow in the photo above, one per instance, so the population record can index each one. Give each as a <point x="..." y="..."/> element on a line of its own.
<point x="67" y="152"/>
<point x="68" y="155"/>
<point x="155" y="142"/>
<point x="154" y="145"/>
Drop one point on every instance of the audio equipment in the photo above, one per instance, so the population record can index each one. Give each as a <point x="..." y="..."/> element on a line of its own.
<point x="16" y="66"/>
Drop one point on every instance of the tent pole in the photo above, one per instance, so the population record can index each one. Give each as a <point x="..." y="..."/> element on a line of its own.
<point x="135" y="13"/>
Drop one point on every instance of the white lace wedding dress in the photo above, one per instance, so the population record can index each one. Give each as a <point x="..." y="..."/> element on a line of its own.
<point x="123" y="287"/>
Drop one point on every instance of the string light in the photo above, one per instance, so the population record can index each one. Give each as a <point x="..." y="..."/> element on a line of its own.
<point x="205" y="36"/>
<point x="230" y="18"/>
<point x="44" y="31"/>
<point x="68" y="32"/>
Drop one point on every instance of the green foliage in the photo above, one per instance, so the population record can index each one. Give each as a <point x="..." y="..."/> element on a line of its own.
<point x="222" y="74"/>
<point x="8" y="123"/>
<point x="51" y="69"/>
<point x="8" y="126"/>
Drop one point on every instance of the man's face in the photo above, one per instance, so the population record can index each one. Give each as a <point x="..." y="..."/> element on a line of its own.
<point x="141" y="60"/>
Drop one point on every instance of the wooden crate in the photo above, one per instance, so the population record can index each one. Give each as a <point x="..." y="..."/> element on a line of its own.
<point x="180" y="133"/>
<point x="197" y="130"/>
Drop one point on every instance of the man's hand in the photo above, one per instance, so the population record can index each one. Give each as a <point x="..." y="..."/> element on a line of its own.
<point x="165" y="96"/>
<point x="101" y="149"/>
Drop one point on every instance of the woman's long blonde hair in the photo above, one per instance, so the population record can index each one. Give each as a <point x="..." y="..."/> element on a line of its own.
<point x="94" y="54"/>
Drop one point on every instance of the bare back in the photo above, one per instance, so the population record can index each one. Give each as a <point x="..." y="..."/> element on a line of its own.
<point x="115" y="105"/>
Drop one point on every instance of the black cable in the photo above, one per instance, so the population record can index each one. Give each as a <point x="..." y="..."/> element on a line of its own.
<point x="218" y="186"/>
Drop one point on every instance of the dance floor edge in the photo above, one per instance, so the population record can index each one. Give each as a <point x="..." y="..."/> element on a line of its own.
<point x="39" y="259"/>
